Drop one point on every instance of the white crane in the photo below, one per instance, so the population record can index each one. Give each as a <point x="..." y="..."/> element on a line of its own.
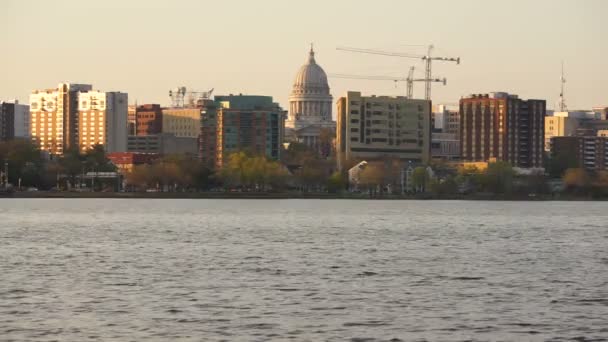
<point x="428" y="59"/>
<point x="409" y="79"/>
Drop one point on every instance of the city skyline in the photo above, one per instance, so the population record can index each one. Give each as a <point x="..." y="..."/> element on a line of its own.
<point x="153" y="47"/>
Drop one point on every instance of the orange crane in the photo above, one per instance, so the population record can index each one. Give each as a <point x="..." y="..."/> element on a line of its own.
<point x="409" y="79"/>
<point x="428" y="60"/>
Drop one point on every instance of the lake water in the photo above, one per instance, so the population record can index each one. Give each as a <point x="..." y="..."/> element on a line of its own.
<point x="302" y="270"/>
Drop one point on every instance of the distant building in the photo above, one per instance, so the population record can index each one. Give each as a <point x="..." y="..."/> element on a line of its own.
<point x="591" y="152"/>
<point x="601" y="112"/>
<point x="183" y="122"/>
<point x="502" y="126"/>
<point x="149" y="119"/>
<point x="54" y="117"/>
<point x="102" y="120"/>
<point x="240" y="123"/>
<point x="162" y="144"/>
<point x="376" y="127"/>
<point x="132" y="119"/>
<point x="310" y="106"/>
<point x="446" y="120"/>
<point x="125" y="161"/>
<point x="559" y="126"/>
<point x="445" y="146"/>
<point x="14" y="120"/>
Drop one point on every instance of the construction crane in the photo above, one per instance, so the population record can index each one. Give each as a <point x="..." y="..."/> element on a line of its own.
<point x="194" y="98"/>
<point x="428" y="60"/>
<point x="409" y="79"/>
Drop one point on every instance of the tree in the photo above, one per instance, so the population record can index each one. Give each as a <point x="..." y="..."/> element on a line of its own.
<point x="419" y="179"/>
<point x="498" y="177"/>
<point x="24" y="162"/>
<point x="372" y="177"/>
<point x="576" y="180"/>
<point x="336" y="183"/>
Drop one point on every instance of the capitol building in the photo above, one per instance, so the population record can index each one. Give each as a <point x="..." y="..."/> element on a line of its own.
<point x="310" y="105"/>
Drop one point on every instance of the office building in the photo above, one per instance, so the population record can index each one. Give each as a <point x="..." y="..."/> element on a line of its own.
<point x="236" y="123"/>
<point x="310" y="105"/>
<point x="163" y="144"/>
<point x="14" y="120"/>
<point x="504" y="127"/>
<point x="374" y="127"/>
<point x="148" y="119"/>
<point x="559" y="126"/>
<point x="132" y="119"/>
<point x="102" y="120"/>
<point x="183" y="122"/>
<point x="445" y="146"/>
<point x="590" y="152"/>
<point x="446" y="120"/>
<point x="54" y="117"/>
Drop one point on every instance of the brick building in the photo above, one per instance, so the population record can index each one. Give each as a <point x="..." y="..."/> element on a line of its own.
<point x="504" y="127"/>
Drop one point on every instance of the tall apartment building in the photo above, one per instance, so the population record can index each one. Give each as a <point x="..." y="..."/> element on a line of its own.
<point x="240" y="123"/>
<point x="591" y="152"/>
<point x="559" y="126"/>
<point x="74" y="116"/>
<point x="54" y="117"/>
<point x="14" y="120"/>
<point x="149" y="119"/>
<point x="102" y="119"/>
<point x="504" y="127"/>
<point x="373" y="127"/>
<point x="183" y="122"/>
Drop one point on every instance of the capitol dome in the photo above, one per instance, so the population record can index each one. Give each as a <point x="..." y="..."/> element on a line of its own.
<point x="310" y="103"/>
<point x="311" y="78"/>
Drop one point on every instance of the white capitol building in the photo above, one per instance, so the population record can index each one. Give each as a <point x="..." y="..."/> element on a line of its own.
<point x="310" y="104"/>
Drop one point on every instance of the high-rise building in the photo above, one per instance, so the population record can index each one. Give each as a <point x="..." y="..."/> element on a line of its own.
<point x="54" y="117"/>
<point x="559" y="126"/>
<point x="149" y="119"/>
<point x="373" y="127"/>
<point x="503" y="127"/>
<point x="240" y="123"/>
<point x="102" y="120"/>
<point x="75" y="116"/>
<point x="310" y="105"/>
<point x="14" y="120"/>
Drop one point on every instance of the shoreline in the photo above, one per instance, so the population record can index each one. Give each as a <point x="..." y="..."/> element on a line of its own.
<point x="286" y="195"/>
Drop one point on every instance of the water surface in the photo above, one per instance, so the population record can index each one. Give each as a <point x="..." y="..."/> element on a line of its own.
<point x="302" y="270"/>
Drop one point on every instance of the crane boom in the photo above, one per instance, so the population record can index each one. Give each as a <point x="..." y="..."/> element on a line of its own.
<point x="409" y="79"/>
<point x="428" y="59"/>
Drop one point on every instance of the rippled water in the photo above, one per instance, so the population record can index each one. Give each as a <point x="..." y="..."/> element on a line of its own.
<point x="304" y="270"/>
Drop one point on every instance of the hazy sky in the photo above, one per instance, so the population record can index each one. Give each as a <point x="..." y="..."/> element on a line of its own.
<point x="147" y="47"/>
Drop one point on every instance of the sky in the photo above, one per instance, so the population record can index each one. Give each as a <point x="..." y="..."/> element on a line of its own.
<point x="146" y="47"/>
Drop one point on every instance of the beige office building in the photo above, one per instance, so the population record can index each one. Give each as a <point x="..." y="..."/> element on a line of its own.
<point x="376" y="127"/>
<point x="559" y="126"/>
<point x="182" y="122"/>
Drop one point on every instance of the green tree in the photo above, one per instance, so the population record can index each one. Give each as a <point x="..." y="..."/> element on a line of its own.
<point x="336" y="183"/>
<point x="498" y="178"/>
<point x="419" y="179"/>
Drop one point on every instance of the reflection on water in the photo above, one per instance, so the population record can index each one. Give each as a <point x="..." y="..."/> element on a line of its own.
<point x="258" y="270"/>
